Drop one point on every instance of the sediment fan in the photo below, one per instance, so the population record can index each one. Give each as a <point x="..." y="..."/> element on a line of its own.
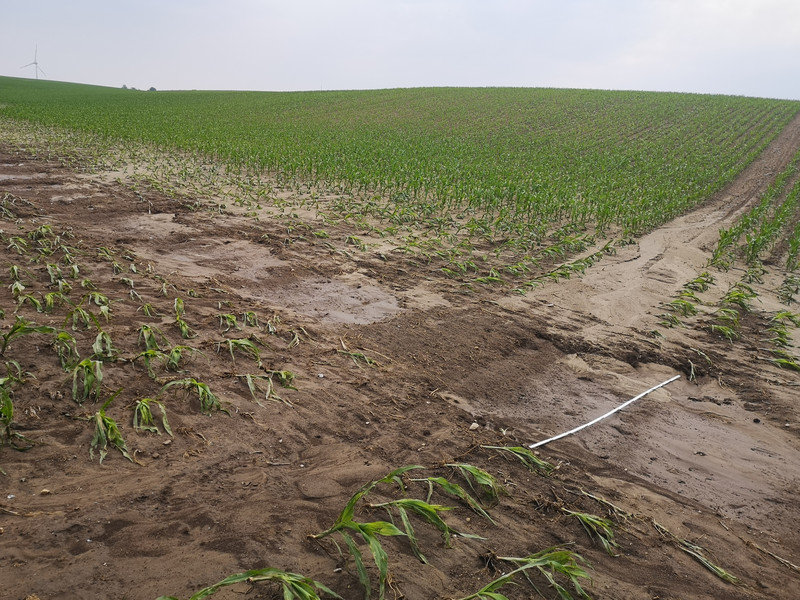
<point x="35" y="63"/>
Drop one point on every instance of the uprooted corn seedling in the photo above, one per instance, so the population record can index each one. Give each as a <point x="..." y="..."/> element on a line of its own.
<point x="528" y="458"/>
<point x="293" y="586"/>
<point x="696" y="552"/>
<point x="549" y="563"/>
<point x="598" y="528"/>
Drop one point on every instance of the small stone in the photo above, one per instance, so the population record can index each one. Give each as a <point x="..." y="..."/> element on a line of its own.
<point x="167" y="442"/>
<point x="474" y="426"/>
<point x="45" y="492"/>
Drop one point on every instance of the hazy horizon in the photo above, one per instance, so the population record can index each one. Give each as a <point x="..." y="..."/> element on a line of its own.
<point x="730" y="47"/>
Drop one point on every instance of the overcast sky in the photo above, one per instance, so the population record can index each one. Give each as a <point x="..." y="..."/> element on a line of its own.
<point x="740" y="47"/>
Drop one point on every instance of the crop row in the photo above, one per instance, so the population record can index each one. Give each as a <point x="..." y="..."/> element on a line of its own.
<point x="526" y="160"/>
<point x="50" y="276"/>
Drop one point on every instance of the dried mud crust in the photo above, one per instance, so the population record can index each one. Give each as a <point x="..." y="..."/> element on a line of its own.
<point x="714" y="461"/>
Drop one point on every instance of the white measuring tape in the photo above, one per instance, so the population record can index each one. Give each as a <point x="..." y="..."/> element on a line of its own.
<point x="608" y="414"/>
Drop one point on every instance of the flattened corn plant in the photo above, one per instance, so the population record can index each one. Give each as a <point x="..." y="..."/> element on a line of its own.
<point x="528" y="458"/>
<point x="347" y="527"/>
<point x="548" y="563"/>
<point x="245" y="346"/>
<point x="21" y="328"/>
<point x="285" y="378"/>
<point x="208" y="400"/>
<point x="293" y="586"/>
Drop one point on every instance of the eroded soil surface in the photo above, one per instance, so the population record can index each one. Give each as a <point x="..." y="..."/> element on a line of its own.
<point x="714" y="461"/>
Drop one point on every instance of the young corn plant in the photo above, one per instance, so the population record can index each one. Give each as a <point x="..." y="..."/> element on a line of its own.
<point x="87" y="376"/>
<point x="147" y="357"/>
<point x="245" y="346"/>
<point x="256" y="391"/>
<point x="285" y="378"/>
<point x="701" y="283"/>
<point x="103" y="348"/>
<point x="183" y="326"/>
<point x="250" y="319"/>
<point x="149" y="310"/>
<point x="106" y="431"/>
<point x="740" y="294"/>
<point x="208" y="400"/>
<point x="179" y="308"/>
<point x="229" y="321"/>
<point x="456" y="490"/>
<point x="52" y="300"/>
<point x="175" y="355"/>
<point x="143" y="419"/>
<point x="149" y="336"/>
<point x="682" y="306"/>
<point x="356" y="356"/>
<point x="292" y="585"/>
<point x="430" y="513"/>
<point x="21" y="328"/>
<point x="67" y="350"/>
<point x="8" y="436"/>
<point x="32" y="300"/>
<point x="346" y="526"/>
<point x="79" y="316"/>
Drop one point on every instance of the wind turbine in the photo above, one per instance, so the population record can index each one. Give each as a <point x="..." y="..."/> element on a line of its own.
<point x="35" y="63"/>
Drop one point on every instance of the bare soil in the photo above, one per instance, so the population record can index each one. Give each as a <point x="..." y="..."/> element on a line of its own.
<point x="715" y="461"/>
